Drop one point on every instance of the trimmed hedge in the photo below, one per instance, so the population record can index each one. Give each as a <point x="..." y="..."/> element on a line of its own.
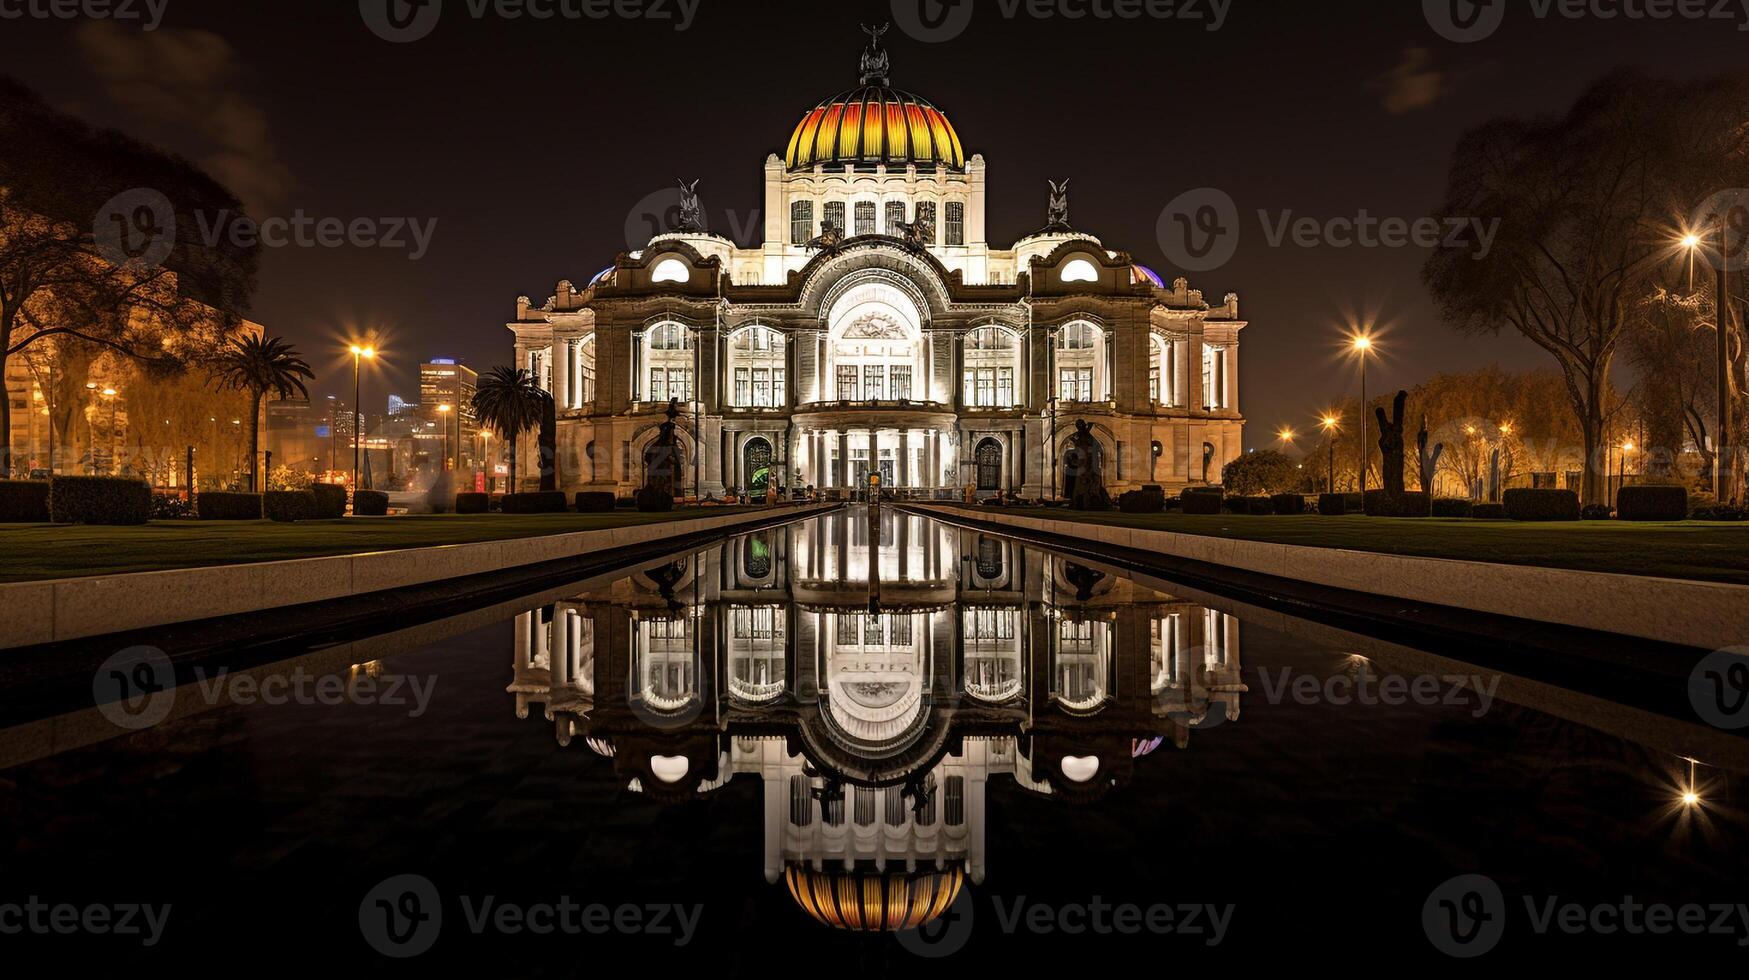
<point x="1333" y="504"/>
<point x="330" y="501"/>
<point x="1201" y="501"/>
<point x="1524" y="504"/>
<point x="216" y="506"/>
<point x="113" y="500"/>
<point x="1488" y="512"/>
<point x="370" y="503"/>
<point x="288" y="506"/>
<point x="1288" y="504"/>
<point x="535" y="503"/>
<point x="1410" y="503"/>
<point x="24" y="502"/>
<point x="472" y="503"/>
<point x="1652" y="503"/>
<point x="652" y="501"/>
<point x="1596" y="512"/>
<point x="1146" y="501"/>
<point x="596" y="503"/>
<point x="1452" y="507"/>
<point x="1719" y="512"/>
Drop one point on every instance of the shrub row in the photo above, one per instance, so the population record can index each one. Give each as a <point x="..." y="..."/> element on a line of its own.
<point x="473" y="503"/>
<point x="1525" y="504"/>
<point x="24" y="502"/>
<point x="288" y="506"/>
<point x="1201" y="501"/>
<point x="1488" y="512"/>
<point x="370" y="503"/>
<point x="1652" y="503"/>
<point x="216" y="506"/>
<point x="553" y="502"/>
<point x="1148" y="500"/>
<point x="1452" y="507"/>
<point x="330" y="501"/>
<point x="1340" y="504"/>
<point x="99" y="500"/>
<point x="596" y="503"/>
<point x="1410" y="503"/>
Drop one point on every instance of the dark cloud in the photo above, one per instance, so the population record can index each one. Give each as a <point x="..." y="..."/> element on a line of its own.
<point x="1413" y="84"/>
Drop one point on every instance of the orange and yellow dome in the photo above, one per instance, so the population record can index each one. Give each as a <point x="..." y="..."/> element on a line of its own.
<point x="874" y="901"/>
<point x="875" y="124"/>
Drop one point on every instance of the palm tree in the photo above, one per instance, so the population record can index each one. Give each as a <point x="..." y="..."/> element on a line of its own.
<point x="510" y="402"/>
<point x="259" y="365"/>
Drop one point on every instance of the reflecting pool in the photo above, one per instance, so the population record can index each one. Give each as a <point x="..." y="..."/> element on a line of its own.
<point x="886" y="741"/>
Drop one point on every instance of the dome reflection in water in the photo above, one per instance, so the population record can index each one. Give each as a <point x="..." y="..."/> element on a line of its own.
<point x="875" y="676"/>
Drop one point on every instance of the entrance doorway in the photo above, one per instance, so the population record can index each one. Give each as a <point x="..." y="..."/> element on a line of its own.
<point x="989" y="460"/>
<point x="756" y="463"/>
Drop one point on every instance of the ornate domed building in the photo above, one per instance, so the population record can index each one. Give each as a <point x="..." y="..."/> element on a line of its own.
<point x="878" y="330"/>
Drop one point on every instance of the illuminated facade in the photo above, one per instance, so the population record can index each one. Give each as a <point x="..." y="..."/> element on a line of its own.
<point x="875" y="677"/>
<point x="911" y="346"/>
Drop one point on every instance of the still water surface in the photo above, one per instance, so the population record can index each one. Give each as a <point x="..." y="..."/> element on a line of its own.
<point x="807" y="741"/>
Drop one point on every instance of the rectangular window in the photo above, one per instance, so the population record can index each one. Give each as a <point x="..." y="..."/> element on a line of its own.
<point x="834" y="216"/>
<point x="1075" y="385"/>
<point x="971" y="388"/>
<point x="956" y="223"/>
<point x="761" y="388"/>
<point x="658" y="385"/>
<point x="874" y="382"/>
<point x="1154" y="384"/>
<point x="901" y="382"/>
<point x="926" y="216"/>
<point x="1214" y="377"/>
<point x="778" y="397"/>
<point x="865" y="217"/>
<point x="847" y="382"/>
<point x="801" y="222"/>
<point x="895" y="218"/>
<point x="680" y="384"/>
<point x="986" y="388"/>
<point x="1005" y="387"/>
<point x="743" y="387"/>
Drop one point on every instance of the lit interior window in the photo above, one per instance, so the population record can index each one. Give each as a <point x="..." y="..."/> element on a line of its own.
<point x="671" y="270"/>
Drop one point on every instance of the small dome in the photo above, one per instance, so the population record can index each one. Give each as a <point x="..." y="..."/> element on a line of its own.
<point x="875" y="124"/>
<point x="874" y="901"/>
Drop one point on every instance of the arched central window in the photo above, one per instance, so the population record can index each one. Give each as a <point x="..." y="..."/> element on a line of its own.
<point x="876" y="350"/>
<point x="1082" y="373"/>
<point x="992" y="357"/>
<point x="665" y="363"/>
<point x="757" y="374"/>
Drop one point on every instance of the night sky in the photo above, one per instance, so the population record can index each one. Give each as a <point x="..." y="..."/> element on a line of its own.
<point x="531" y="142"/>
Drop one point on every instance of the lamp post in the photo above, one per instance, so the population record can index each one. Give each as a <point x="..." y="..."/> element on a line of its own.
<point x="359" y="354"/>
<point x="444" y="410"/>
<point x="1331" y="427"/>
<point x="1722" y="314"/>
<point x="1627" y="447"/>
<point x="1362" y="346"/>
<point x="1286" y="435"/>
<point x="91" y="424"/>
<point x="109" y="396"/>
<point x="486" y="466"/>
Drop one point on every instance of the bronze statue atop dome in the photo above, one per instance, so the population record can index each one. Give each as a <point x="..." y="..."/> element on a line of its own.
<point x="875" y="62"/>
<point x="691" y="211"/>
<point x="829" y="239"/>
<point x="1057" y="215"/>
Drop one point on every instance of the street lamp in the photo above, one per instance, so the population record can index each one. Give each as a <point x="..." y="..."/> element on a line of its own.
<point x="444" y="410"/>
<point x="1362" y="345"/>
<point x="1331" y="426"/>
<point x="1627" y="447"/>
<point x="1721" y="313"/>
<point x="1286" y="435"/>
<point x="109" y="395"/>
<point x="359" y="354"/>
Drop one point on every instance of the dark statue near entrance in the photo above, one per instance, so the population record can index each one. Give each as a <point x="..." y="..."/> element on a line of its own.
<point x="664" y="464"/>
<point x="1391" y="447"/>
<point x="1084" y="470"/>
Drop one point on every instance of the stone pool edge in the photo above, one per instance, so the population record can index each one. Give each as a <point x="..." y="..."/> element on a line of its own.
<point x="1708" y="615"/>
<point x="55" y="610"/>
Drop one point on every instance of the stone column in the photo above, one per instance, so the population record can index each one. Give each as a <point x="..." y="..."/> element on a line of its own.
<point x="931" y="468"/>
<point x="843" y="467"/>
<point x="905" y="458"/>
<point x="561" y="358"/>
<point x="637" y="368"/>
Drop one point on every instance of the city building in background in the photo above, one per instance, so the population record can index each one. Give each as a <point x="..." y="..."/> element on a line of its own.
<point x="444" y="381"/>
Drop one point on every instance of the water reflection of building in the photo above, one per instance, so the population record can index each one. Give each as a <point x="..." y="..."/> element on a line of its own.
<point x="875" y="677"/>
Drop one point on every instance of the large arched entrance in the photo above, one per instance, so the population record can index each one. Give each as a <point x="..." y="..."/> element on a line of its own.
<point x="756" y="460"/>
<point x="989" y="460"/>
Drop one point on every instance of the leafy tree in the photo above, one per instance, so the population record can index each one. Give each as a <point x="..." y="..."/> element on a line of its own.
<point x="510" y="402"/>
<point x="63" y="284"/>
<point x="1263" y="472"/>
<point x="259" y="365"/>
<point x="1587" y="205"/>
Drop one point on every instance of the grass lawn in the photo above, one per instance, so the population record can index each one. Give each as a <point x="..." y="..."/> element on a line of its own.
<point x="1709" y="551"/>
<point x="39" y="551"/>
